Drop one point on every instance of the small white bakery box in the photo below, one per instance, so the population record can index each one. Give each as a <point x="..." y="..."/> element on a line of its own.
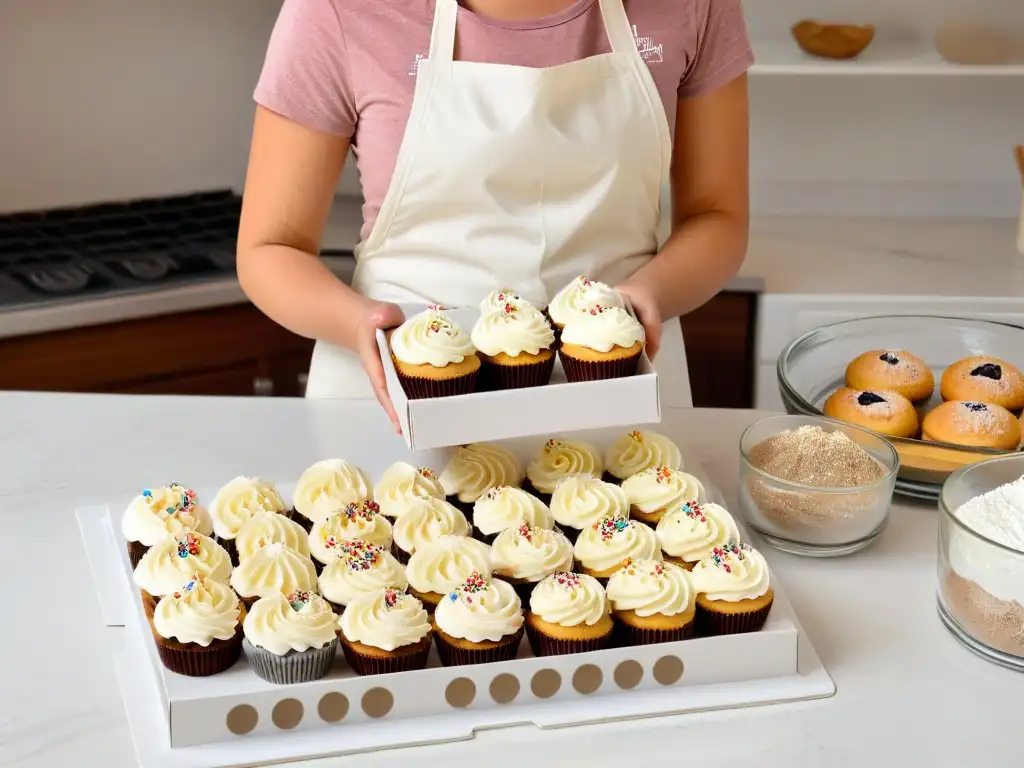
<point x="558" y="407"/>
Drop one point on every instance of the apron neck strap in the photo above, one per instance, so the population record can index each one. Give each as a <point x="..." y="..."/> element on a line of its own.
<point x="442" y="36"/>
<point x="617" y="26"/>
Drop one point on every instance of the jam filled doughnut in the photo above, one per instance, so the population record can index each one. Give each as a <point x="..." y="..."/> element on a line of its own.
<point x="964" y="422"/>
<point x="985" y="379"/>
<point x="883" y="411"/>
<point x="895" y="370"/>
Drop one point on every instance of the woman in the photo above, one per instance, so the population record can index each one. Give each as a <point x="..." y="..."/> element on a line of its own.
<point x="500" y="143"/>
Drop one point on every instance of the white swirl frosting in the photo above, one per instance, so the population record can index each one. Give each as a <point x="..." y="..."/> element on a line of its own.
<point x="529" y="553"/>
<point x="274" y="568"/>
<point x="650" y="587"/>
<point x="478" y="466"/>
<point x="559" y="458"/>
<point x="579" y="296"/>
<point x="385" y="619"/>
<point x="507" y="507"/>
<point x="401" y="484"/>
<point x="169" y="564"/>
<point x="198" y="612"/>
<point x="431" y="338"/>
<point x="732" y="572"/>
<point x="480" y="609"/>
<point x="295" y="622"/>
<point x="636" y="451"/>
<point x="512" y="331"/>
<point x="239" y="500"/>
<point x="661" y="488"/>
<point x="157" y="512"/>
<point x="361" y="567"/>
<point x="607" y="544"/>
<point x="426" y="520"/>
<point x="693" y="530"/>
<point x="267" y="527"/>
<point x="602" y="329"/>
<point x="444" y="563"/>
<point x="328" y="486"/>
<point x="496" y="301"/>
<point x="579" y="501"/>
<point x="569" y="599"/>
<point x="356" y="521"/>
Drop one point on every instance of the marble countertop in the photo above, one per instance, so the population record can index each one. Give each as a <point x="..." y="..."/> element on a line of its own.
<point x="908" y="693"/>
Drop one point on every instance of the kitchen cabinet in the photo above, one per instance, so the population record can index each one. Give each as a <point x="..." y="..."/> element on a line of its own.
<point x="720" y="351"/>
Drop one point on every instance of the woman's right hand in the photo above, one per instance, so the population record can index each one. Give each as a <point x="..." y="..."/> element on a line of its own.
<point x="377" y="315"/>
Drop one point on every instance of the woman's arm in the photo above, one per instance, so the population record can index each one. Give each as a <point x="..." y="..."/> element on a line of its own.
<point x="711" y="210"/>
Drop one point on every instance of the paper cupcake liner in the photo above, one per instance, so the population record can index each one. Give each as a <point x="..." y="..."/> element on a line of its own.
<point x="454" y="656"/>
<point x="148" y="603"/>
<point x="713" y="623"/>
<point x="294" y="666"/>
<point x="420" y="388"/>
<point x="135" y="553"/>
<point x="542" y="645"/>
<point x="230" y="547"/>
<point x="196" y="661"/>
<point x="585" y="370"/>
<point x="399" y="661"/>
<point x="497" y="377"/>
<point x="628" y="635"/>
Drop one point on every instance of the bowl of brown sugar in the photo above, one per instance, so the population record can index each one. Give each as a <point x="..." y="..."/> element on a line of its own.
<point x="815" y="486"/>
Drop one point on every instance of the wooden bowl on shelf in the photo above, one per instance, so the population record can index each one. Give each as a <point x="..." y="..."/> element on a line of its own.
<point x="833" y="41"/>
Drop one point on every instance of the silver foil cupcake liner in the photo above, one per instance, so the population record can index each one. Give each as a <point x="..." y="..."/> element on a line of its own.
<point x="294" y="666"/>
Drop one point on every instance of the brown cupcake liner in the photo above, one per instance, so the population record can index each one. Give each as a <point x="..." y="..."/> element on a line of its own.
<point x="420" y="388"/>
<point x="710" y="623"/>
<point x="135" y="552"/>
<point x="294" y="666"/>
<point x="148" y="603"/>
<point x="195" y="660"/>
<point x="230" y="547"/>
<point x="543" y="645"/>
<point x="497" y="377"/>
<point x="627" y="635"/>
<point x="455" y="656"/>
<point x="585" y="370"/>
<point x="403" y="661"/>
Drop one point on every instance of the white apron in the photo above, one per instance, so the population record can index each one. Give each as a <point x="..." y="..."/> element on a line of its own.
<point x="518" y="177"/>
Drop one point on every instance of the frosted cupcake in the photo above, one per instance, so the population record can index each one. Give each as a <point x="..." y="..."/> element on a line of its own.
<point x="172" y="562"/>
<point x="507" y="507"/>
<point x="654" y="492"/>
<point x="558" y="459"/>
<point x="401" y="484"/>
<point x="328" y="486"/>
<point x="475" y="469"/>
<point x="568" y="613"/>
<point x="290" y="638"/>
<point x="653" y="602"/>
<point x="198" y="628"/>
<point x="479" y="621"/>
<point x="274" y="569"/>
<point x="385" y="631"/>
<point x="443" y="564"/>
<point x="579" y="501"/>
<point x="361" y="520"/>
<point x="636" y="451"/>
<point x="516" y="346"/>
<point x="433" y="356"/>
<point x="524" y="555"/>
<point x="605" y="343"/>
<point x="424" y="521"/>
<point x="159" y="512"/>
<point x="360" y="568"/>
<point x="605" y="546"/>
<point x="236" y="503"/>
<point x="734" y="592"/>
<point x="265" y="528"/>
<point x="578" y="297"/>
<point x="693" y="531"/>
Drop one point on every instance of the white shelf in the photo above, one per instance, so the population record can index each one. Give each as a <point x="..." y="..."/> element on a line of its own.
<point x="882" y="57"/>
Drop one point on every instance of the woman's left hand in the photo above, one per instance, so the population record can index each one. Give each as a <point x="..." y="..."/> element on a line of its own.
<point x="645" y="306"/>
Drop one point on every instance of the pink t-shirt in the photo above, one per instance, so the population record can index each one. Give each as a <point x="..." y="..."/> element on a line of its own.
<point x="348" y="67"/>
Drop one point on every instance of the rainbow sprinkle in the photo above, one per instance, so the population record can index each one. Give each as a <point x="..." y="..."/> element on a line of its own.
<point x="392" y="597"/>
<point x="188" y="546"/>
<point x="426" y="472"/>
<point x="359" y="555"/>
<point x="570" y="581"/>
<point x="550" y="445"/>
<point x="298" y="600"/>
<point x="610" y="526"/>
<point x="189" y="586"/>
<point x="720" y="554"/>
<point x="693" y="511"/>
<point x="475" y="584"/>
<point x="495" y="492"/>
<point x="436" y="307"/>
<point x="662" y="474"/>
<point x="185" y="503"/>
<point x="524" y="531"/>
<point x="361" y="510"/>
<point x="637" y="436"/>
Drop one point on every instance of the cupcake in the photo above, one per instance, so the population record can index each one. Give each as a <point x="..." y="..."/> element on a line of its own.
<point x="524" y="555"/>
<point x="198" y="628"/>
<point x="693" y="531"/>
<point x="385" y="631"/>
<point x="290" y="638"/>
<point x="579" y="501"/>
<point x="273" y="569"/>
<point x="475" y="469"/>
<point x="359" y="520"/>
<point x="266" y="528"/>
<point x="479" y="621"/>
<point x="158" y="512"/>
<point x="606" y="545"/>
<point x="985" y="380"/>
<point x="636" y="451"/>
<point x="558" y="459"/>
<point x="172" y="562"/>
<point x="654" y="492"/>
<point x="401" y="484"/>
<point x="569" y="613"/>
<point x="424" y="521"/>
<point x="328" y="486"/>
<point x="442" y="565"/>
<point x="507" y="507"/>
<point x="516" y="346"/>
<point x="578" y="297"/>
<point x="360" y="568"/>
<point x="433" y="356"/>
<point x="733" y="589"/>
<point x="236" y="503"/>
<point x="606" y="343"/>
<point x="653" y="602"/>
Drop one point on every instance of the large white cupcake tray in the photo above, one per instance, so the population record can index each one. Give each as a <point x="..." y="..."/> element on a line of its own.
<point x="236" y="719"/>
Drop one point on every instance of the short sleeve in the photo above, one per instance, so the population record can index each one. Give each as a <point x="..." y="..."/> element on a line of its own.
<point x="723" y="49"/>
<point x="306" y="75"/>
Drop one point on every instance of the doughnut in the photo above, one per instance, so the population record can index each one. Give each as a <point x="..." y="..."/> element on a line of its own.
<point x="974" y="424"/>
<point x="885" y="411"/>
<point x="985" y="380"/>
<point x="891" y="369"/>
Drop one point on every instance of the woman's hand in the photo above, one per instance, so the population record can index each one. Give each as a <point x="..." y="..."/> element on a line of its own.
<point x="377" y="315"/>
<point x="645" y="306"/>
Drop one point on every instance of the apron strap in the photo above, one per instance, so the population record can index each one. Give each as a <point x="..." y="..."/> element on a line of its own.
<point x="442" y="36"/>
<point x="617" y="26"/>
